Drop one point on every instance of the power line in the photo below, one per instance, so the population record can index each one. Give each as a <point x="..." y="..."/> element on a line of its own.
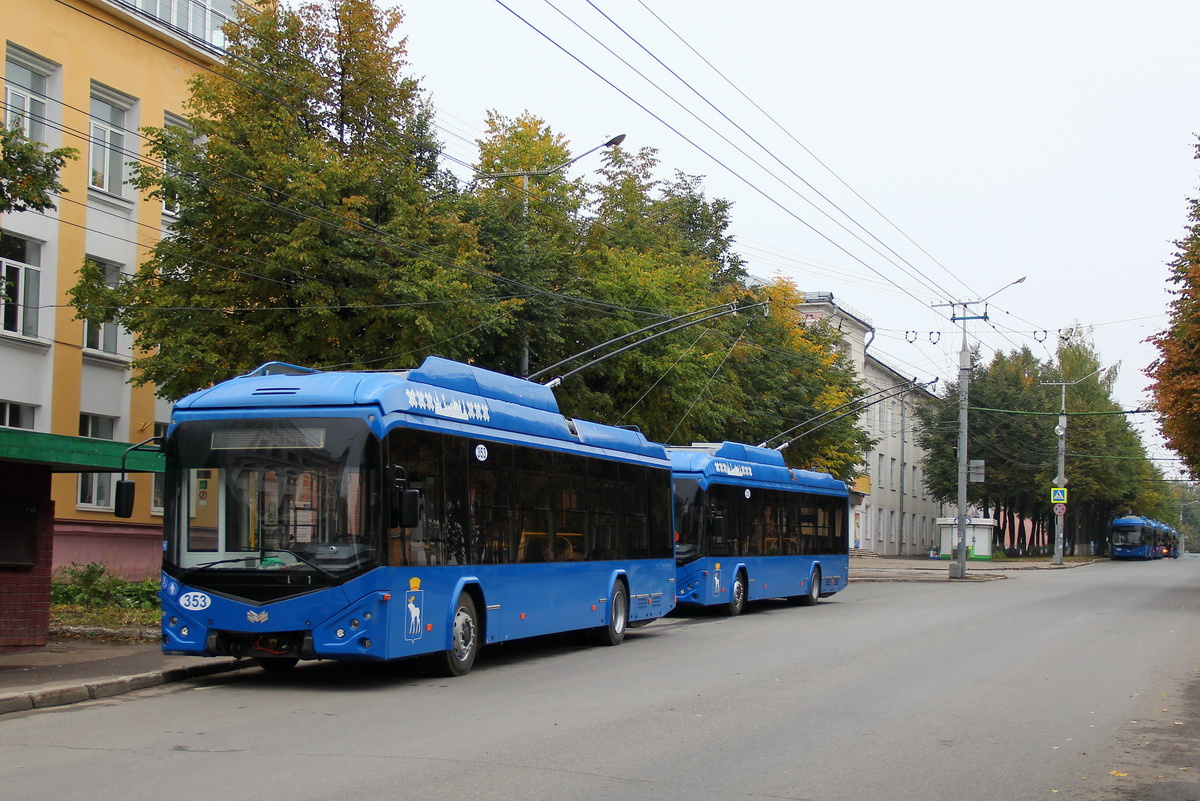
<point x="687" y="139"/>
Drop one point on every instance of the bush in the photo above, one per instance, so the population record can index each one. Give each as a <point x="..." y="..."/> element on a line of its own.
<point x="92" y="586"/>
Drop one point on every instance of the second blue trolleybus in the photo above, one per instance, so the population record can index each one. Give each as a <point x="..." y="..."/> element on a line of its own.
<point x="749" y="527"/>
<point x="375" y="516"/>
<point x="1137" y="537"/>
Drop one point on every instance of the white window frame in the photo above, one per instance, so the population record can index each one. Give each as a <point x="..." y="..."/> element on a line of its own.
<point x="13" y="415"/>
<point x="31" y="102"/>
<point x="25" y="107"/>
<point x="98" y="487"/>
<point x="106" y="335"/>
<point x="112" y="143"/>
<point x="171" y="210"/>
<point x="21" y="293"/>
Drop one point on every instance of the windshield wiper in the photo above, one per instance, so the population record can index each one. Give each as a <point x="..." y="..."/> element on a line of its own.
<point x="334" y="577"/>
<point x="207" y="565"/>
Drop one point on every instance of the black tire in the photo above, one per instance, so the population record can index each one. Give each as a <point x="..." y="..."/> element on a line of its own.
<point x="618" y="617"/>
<point x="276" y="665"/>
<point x="737" y="595"/>
<point x="814" y="589"/>
<point x="464" y="640"/>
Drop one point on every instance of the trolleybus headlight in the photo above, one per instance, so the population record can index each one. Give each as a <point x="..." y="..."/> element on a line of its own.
<point x="365" y="642"/>
<point x="340" y="633"/>
<point x="173" y="622"/>
<point x="183" y="631"/>
<point x="354" y="623"/>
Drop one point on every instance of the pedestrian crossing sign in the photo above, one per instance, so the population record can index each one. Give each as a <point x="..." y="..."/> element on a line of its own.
<point x="1058" y="495"/>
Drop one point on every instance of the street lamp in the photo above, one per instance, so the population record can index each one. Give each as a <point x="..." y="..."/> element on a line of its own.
<point x="958" y="569"/>
<point x="523" y="368"/>
<point x="1061" y="479"/>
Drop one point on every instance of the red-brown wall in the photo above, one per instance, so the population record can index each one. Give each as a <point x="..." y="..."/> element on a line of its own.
<point x="25" y="589"/>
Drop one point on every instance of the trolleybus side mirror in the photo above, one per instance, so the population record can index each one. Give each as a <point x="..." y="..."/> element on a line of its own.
<point x="123" y="506"/>
<point x="716" y="527"/>
<point x="409" y="512"/>
<point x="405" y="503"/>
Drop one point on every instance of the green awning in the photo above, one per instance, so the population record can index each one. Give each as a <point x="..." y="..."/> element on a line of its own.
<point x="75" y="454"/>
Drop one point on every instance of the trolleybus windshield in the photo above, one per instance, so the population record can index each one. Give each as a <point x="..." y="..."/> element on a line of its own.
<point x="273" y="494"/>
<point x="1126" y="536"/>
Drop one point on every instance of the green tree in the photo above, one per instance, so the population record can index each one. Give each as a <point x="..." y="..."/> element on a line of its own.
<point x="1011" y="427"/>
<point x="1175" y="373"/>
<point x="312" y="225"/>
<point x="29" y="172"/>
<point x="529" y="227"/>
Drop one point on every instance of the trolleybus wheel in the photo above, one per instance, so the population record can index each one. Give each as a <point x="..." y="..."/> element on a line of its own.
<point x="618" y="617"/>
<point x="275" y="664"/>
<point x="464" y="640"/>
<point x="814" y="589"/>
<point x="737" y="595"/>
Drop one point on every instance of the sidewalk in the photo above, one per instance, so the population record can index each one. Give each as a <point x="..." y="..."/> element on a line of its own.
<point x="68" y="671"/>
<point x="922" y="568"/>
<point x="71" y="670"/>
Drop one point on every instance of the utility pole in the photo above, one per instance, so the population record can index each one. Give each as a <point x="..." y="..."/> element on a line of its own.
<point x="958" y="568"/>
<point x="523" y="367"/>
<point x="1061" y="479"/>
<point x="903" y="469"/>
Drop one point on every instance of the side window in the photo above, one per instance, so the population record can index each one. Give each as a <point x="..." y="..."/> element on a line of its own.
<point x="112" y="142"/>
<point x="490" y="482"/>
<point x="20" y="284"/>
<point x="572" y="533"/>
<point x="419" y="455"/>
<point x="662" y="535"/>
<point x="95" y="489"/>
<point x="25" y="100"/>
<point x="535" y="528"/>
<point x="604" y="488"/>
<point x="170" y="169"/>
<point x="16" y="415"/>
<point x="635" y="522"/>
<point x="103" y="336"/>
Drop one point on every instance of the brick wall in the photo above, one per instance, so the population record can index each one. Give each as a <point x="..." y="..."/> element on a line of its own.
<point x="25" y="588"/>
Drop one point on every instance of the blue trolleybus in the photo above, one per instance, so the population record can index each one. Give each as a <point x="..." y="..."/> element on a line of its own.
<point x="375" y="516"/>
<point x="1135" y="537"/>
<point x="749" y="527"/>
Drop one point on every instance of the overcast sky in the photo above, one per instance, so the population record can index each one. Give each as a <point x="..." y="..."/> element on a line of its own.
<point x="1047" y="139"/>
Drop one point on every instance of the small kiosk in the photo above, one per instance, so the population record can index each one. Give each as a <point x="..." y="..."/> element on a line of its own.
<point x="979" y="537"/>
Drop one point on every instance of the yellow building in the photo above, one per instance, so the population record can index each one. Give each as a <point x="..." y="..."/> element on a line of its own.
<point x="88" y="74"/>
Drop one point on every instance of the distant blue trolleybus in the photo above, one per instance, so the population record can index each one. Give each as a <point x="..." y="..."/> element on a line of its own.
<point x="375" y="516"/>
<point x="1136" y="537"/>
<point x="749" y="527"/>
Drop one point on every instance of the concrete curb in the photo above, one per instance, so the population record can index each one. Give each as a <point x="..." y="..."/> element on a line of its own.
<point x="74" y="693"/>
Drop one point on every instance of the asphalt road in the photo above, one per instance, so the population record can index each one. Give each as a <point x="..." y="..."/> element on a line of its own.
<point x="1078" y="684"/>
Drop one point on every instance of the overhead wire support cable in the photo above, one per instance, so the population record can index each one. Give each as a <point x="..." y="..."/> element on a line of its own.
<point x="623" y="337"/>
<point x="800" y="144"/>
<point x="898" y="389"/>
<point x="920" y="277"/>
<point x="698" y="147"/>
<point x="554" y="382"/>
